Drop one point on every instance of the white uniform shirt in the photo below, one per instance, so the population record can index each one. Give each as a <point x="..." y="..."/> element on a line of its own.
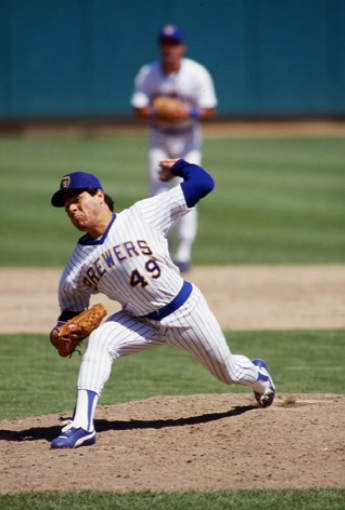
<point x="192" y="84"/>
<point x="130" y="263"/>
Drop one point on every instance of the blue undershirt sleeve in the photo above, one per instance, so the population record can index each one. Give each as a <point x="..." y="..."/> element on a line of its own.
<point x="66" y="315"/>
<point x="197" y="182"/>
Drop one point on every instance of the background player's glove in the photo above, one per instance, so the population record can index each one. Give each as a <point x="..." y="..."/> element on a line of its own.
<point x="169" y="109"/>
<point x="67" y="336"/>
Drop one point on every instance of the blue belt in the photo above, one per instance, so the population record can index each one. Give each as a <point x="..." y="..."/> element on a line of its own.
<point x="174" y="305"/>
<point x="172" y="131"/>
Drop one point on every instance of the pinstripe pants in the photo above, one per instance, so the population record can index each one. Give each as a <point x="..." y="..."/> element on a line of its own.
<point x="192" y="327"/>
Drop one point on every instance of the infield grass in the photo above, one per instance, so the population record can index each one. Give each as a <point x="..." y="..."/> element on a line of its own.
<point x="35" y="381"/>
<point x="276" y="201"/>
<point x="323" y="499"/>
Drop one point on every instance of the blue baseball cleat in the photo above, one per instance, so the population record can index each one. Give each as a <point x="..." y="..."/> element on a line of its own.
<point x="72" y="438"/>
<point x="266" y="398"/>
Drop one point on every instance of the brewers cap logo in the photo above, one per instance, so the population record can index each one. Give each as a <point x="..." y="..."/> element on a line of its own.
<point x="169" y="30"/>
<point x="66" y="181"/>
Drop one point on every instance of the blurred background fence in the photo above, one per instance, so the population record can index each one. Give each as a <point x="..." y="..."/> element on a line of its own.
<point x="78" y="58"/>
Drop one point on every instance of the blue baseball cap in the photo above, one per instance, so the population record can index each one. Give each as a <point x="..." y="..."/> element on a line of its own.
<point x="78" y="181"/>
<point x="171" y="33"/>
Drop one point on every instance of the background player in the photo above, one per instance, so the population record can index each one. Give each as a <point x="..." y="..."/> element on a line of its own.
<point x="126" y="257"/>
<point x="182" y="78"/>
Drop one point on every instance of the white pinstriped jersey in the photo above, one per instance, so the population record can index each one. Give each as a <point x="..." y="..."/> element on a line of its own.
<point x="192" y="84"/>
<point x="130" y="263"/>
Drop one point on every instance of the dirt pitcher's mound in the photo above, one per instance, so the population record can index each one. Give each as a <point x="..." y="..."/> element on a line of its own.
<point x="196" y="442"/>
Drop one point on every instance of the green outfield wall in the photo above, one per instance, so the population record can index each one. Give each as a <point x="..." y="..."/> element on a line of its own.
<point x="72" y="58"/>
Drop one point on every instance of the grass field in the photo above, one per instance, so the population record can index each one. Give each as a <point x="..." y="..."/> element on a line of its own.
<point x="38" y="382"/>
<point x="277" y="201"/>
<point x="223" y="500"/>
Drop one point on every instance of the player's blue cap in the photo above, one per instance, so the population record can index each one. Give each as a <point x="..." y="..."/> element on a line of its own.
<point x="171" y="33"/>
<point x="77" y="181"/>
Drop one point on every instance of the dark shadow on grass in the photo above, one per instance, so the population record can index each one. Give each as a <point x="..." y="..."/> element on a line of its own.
<point x="49" y="433"/>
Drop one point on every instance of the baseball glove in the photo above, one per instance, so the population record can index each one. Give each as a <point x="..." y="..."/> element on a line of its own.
<point x="168" y="109"/>
<point x="67" y="337"/>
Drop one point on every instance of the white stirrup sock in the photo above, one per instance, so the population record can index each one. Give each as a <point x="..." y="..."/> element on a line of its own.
<point x="85" y="410"/>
